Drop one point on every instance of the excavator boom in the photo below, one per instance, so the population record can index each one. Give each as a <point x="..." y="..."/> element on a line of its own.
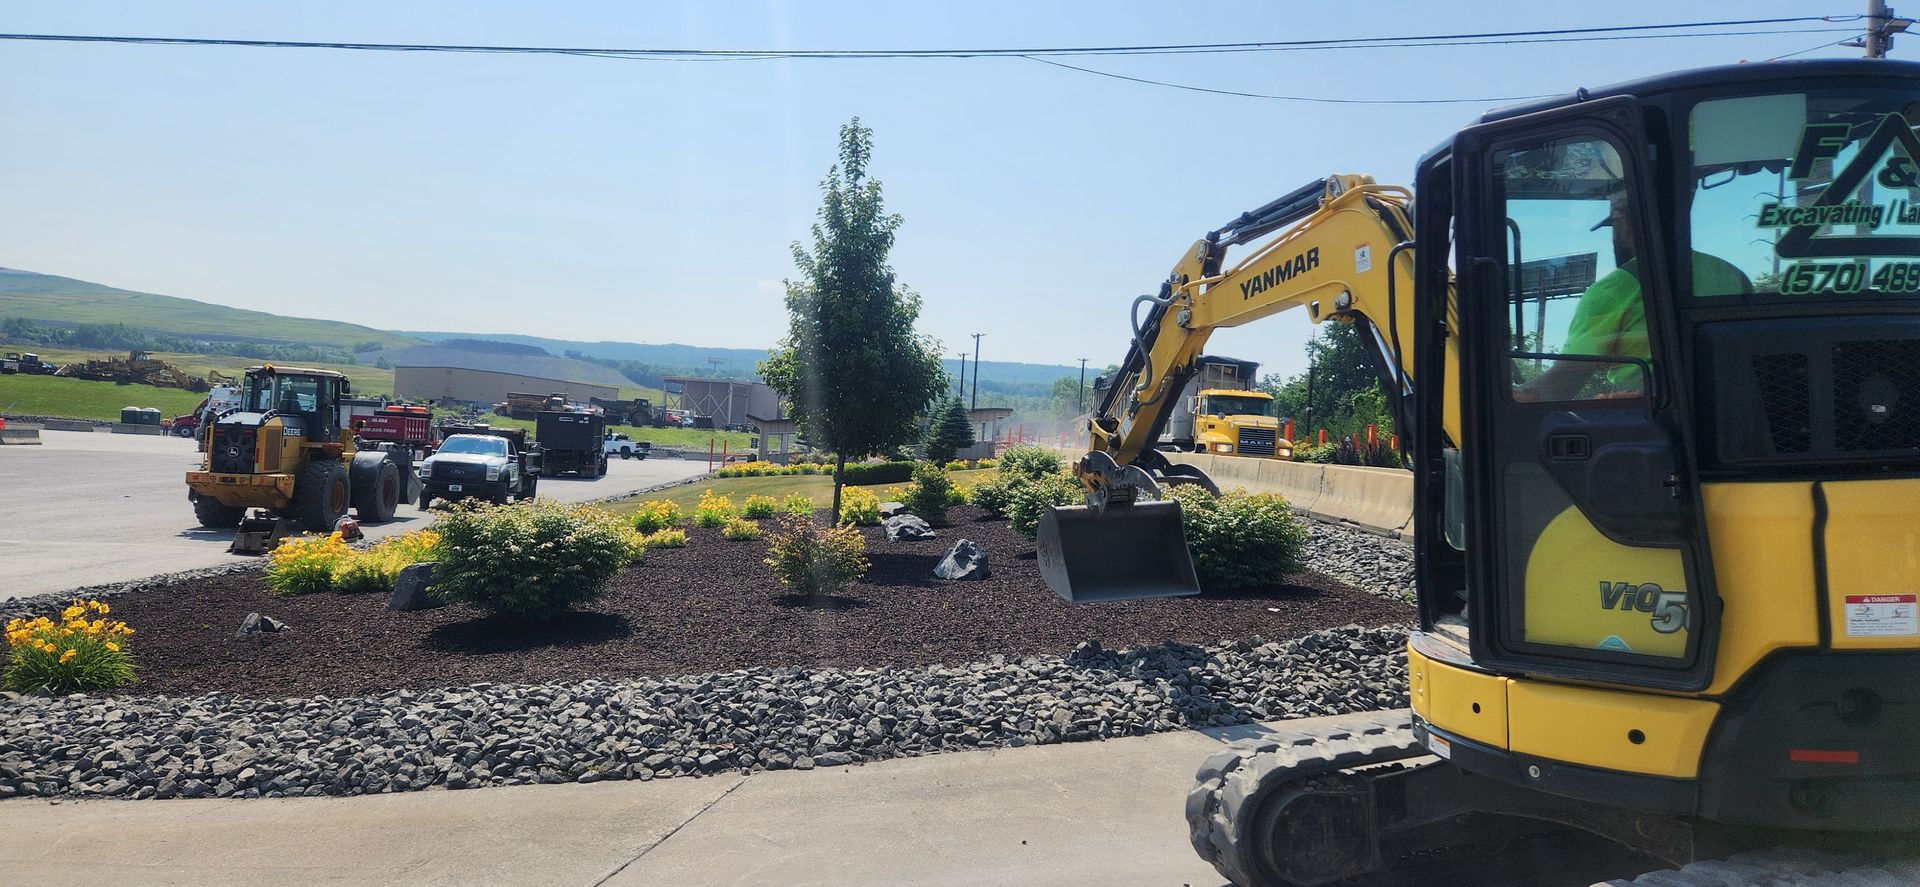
<point x="1338" y="247"/>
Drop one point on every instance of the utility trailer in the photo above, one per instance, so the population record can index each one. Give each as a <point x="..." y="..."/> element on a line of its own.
<point x="572" y="441"/>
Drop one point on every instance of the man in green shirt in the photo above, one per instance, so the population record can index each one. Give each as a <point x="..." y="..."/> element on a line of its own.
<point x="1611" y="321"/>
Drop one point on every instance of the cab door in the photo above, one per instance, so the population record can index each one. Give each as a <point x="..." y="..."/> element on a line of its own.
<point x="1585" y="559"/>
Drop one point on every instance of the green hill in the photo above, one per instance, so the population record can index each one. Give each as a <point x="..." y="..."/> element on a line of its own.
<point x="64" y="300"/>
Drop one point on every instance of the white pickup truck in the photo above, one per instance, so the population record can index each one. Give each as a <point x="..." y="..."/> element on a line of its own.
<point x="618" y="444"/>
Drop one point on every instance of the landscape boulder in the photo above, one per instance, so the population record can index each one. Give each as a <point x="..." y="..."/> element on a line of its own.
<point x="890" y="509"/>
<point x="902" y="527"/>
<point x="965" y="560"/>
<point x="414" y="589"/>
<point x="257" y="624"/>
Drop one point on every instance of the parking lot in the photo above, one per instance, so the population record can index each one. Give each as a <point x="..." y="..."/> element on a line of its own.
<point x="86" y="509"/>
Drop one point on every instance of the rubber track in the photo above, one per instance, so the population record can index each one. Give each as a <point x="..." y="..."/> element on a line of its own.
<point x="1787" y="867"/>
<point x="1233" y="781"/>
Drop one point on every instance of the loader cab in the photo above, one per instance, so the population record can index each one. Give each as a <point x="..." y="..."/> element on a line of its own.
<point x="1687" y="316"/>
<point x="306" y="400"/>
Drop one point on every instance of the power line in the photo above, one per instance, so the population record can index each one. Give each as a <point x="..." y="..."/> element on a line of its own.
<point x="1461" y="101"/>
<point x="1488" y="38"/>
<point x="1284" y="98"/>
<point x="1812" y="48"/>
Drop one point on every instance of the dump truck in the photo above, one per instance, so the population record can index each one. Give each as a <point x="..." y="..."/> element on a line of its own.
<point x="287" y="449"/>
<point x="1665" y="516"/>
<point x="572" y="441"/>
<point x="1220" y="412"/>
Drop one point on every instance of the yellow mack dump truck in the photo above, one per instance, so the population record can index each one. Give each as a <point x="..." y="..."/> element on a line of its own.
<point x="1220" y="412"/>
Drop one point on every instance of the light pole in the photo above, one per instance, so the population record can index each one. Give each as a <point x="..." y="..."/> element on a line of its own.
<point x="962" y="392"/>
<point x="976" y="372"/>
<point x="1083" y="384"/>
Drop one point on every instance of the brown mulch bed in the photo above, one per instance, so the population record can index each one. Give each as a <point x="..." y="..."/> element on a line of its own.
<point x="712" y="606"/>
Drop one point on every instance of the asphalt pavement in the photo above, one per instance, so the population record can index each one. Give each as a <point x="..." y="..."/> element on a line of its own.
<point x="1084" y="813"/>
<point x="94" y="508"/>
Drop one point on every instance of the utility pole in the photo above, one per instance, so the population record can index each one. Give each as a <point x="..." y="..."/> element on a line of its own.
<point x="976" y="371"/>
<point x="1083" y="384"/>
<point x="962" y="392"/>
<point x="1882" y="24"/>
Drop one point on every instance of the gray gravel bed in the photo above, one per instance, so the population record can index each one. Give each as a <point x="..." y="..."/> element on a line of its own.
<point x="1373" y="563"/>
<point x="764" y="718"/>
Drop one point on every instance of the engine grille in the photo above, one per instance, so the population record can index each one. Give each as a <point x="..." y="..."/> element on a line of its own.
<point x="1257" y="441"/>
<point x="458" y="471"/>
<point x="1809" y="390"/>
<point x="1783" y="383"/>
<point x="232" y="449"/>
<point x="1874" y="384"/>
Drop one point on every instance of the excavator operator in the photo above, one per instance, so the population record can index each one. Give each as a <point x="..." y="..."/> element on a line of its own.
<point x="1611" y="319"/>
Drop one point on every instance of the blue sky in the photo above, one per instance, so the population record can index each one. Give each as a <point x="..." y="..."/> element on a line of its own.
<point x="655" y="201"/>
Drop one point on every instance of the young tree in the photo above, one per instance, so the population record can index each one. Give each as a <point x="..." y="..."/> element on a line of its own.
<point x="951" y="432"/>
<point x="852" y="367"/>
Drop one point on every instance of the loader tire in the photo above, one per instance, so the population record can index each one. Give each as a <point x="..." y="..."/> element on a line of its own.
<point x="377" y="496"/>
<point x="214" y="515"/>
<point x="321" y="496"/>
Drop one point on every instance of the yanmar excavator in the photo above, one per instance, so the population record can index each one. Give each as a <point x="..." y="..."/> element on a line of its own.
<point x="1655" y="352"/>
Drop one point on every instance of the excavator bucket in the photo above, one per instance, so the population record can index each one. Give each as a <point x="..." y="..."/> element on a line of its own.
<point x="1116" y="554"/>
<point x="259" y="533"/>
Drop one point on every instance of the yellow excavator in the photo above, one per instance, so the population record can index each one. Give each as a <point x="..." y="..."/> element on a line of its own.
<point x="1654" y="351"/>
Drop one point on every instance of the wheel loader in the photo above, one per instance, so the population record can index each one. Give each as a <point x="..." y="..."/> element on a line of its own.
<point x="286" y="449"/>
<point x="1654" y="350"/>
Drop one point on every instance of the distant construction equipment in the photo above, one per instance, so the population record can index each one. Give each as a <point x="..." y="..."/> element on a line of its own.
<point x="142" y="368"/>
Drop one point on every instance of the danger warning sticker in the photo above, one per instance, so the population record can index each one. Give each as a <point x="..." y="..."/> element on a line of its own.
<point x="1883" y="615"/>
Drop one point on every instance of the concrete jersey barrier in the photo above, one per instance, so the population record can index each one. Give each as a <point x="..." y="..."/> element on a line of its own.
<point x="1375" y="499"/>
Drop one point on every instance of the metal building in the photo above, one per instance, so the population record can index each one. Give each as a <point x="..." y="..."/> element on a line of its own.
<point x="728" y="401"/>
<point x="485" y="387"/>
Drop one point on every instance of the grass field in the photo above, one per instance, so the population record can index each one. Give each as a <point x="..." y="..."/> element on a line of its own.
<point x="816" y="486"/>
<point x="80" y="399"/>
<point x="368" y="381"/>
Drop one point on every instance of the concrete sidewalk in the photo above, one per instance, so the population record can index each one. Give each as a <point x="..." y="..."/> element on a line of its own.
<point x="1094" y="813"/>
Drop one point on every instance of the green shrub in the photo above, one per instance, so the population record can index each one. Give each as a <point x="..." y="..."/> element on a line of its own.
<point x="867" y="474"/>
<point x="1029" y="461"/>
<point x="813" y="561"/>
<point x="1240" y="540"/>
<point x="798" y="503"/>
<point x="859" y="506"/>
<point x="82" y="650"/>
<point x="758" y="508"/>
<point x="657" y="514"/>
<point x="928" y="495"/>
<point x="956" y="496"/>
<point x="669" y="538"/>
<point x="531" y="560"/>
<point x="1314" y="453"/>
<point x="305" y="565"/>
<point x="1029" y="499"/>
<point x="984" y="463"/>
<point x="993" y="494"/>
<point x="740" y="530"/>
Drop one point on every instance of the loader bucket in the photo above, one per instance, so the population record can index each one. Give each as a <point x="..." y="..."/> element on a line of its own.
<point x="1117" y="554"/>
